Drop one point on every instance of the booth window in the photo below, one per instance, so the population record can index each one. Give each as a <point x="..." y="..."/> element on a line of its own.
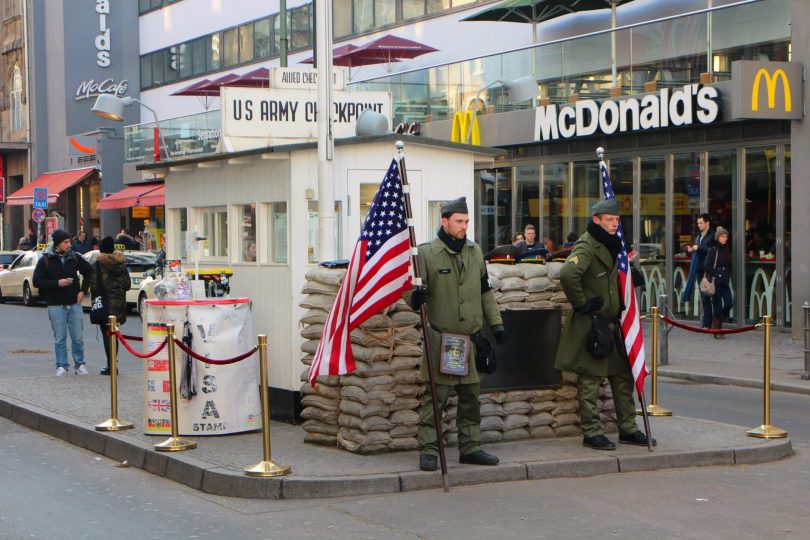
<point x="215" y="230"/>
<point x="247" y="224"/>
<point x="277" y="233"/>
<point x="180" y="229"/>
<point x="312" y="231"/>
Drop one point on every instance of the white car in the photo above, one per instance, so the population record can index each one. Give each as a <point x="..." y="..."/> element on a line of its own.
<point x="17" y="281"/>
<point x="217" y="283"/>
<point x="137" y="263"/>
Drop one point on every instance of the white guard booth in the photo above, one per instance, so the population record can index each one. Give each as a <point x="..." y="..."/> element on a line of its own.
<point x="258" y="210"/>
<point x="227" y="396"/>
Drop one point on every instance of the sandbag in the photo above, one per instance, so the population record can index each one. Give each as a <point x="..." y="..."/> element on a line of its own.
<point x="532" y="270"/>
<point x="363" y="411"/>
<point x="327" y="276"/>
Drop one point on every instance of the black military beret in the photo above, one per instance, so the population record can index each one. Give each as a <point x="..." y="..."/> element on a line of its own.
<point x="606" y="206"/>
<point x="459" y="206"/>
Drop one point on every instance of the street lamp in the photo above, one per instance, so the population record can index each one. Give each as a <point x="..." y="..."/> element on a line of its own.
<point x="517" y="90"/>
<point x="112" y="108"/>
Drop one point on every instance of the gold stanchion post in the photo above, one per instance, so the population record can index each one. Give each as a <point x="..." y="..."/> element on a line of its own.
<point x="265" y="467"/>
<point x="654" y="409"/>
<point x="113" y="423"/>
<point x="766" y="430"/>
<point x="173" y="443"/>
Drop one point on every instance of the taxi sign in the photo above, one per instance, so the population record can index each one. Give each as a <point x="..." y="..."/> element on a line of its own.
<point x="41" y="198"/>
<point x="38" y="215"/>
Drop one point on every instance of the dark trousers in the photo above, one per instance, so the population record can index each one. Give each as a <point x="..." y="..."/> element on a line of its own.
<point x="707" y="302"/>
<point x="622" y="386"/>
<point x="721" y="300"/>
<point x="468" y="419"/>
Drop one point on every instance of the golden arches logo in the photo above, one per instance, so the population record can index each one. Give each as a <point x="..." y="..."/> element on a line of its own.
<point x="461" y="126"/>
<point x="770" y="84"/>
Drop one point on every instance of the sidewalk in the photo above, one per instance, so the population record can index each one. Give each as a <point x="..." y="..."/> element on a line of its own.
<point x="69" y="407"/>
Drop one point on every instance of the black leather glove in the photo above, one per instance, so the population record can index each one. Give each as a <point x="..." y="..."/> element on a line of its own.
<point x="418" y="298"/>
<point x="590" y="305"/>
<point x="500" y="336"/>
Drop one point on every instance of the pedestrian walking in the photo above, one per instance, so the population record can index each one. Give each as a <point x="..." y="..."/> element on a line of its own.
<point x="704" y="241"/>
<point x="459" y="300"/>
<point x="590" y="278"/>
<point x="718" y="271"/>
<point x="110" y="284"/>
<point x="57" y="278"/>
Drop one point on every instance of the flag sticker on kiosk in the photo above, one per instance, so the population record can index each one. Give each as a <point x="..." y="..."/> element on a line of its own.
<point x="378" y="274"/>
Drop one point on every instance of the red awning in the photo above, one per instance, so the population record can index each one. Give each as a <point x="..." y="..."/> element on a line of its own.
<point x="137" y="195"/>
<point x="55" y="182"/>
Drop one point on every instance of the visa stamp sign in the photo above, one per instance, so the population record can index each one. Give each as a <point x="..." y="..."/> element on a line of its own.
<point x="766" y="90"/>
<point x="292" y="114"/>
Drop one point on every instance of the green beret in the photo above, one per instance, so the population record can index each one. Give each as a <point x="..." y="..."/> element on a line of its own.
<point x="606" y="206"/>
<point x="459" y="206"/>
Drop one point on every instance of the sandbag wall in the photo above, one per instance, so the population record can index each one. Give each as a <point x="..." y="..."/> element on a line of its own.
<point x="376" y="408"/>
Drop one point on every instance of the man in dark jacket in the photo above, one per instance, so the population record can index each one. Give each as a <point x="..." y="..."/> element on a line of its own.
<point x="81" y="244"/>
<point x="704" y="241"/>
<point x="56" y="276"/>
<point x="590" y="278"/>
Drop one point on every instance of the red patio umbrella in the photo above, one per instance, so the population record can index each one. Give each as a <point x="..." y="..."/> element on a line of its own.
<point x="338" y="56"/>
<point x="258" y="78"/>
<point x="212" y="89"/>
<point x="191" y="89"/>
<point x="389" y="49"/>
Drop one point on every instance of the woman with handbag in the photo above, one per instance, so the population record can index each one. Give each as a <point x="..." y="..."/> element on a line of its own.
<point x="110" y="285"/>
<point x="718" y="271"/>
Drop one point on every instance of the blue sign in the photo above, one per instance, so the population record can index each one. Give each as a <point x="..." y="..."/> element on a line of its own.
<point x="41" y="198"/>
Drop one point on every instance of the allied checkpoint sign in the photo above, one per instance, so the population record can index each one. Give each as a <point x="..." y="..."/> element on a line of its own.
<point x="291" y="115"/>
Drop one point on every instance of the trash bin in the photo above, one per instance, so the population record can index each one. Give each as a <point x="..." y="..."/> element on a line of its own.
<point x="227" y="396"/>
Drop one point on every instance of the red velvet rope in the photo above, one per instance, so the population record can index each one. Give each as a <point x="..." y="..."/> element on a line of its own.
<point x="132" y="338"/>
<point x="128" y="347"/>
<point x="211" y="361"/>
<point x="699" y="330"/>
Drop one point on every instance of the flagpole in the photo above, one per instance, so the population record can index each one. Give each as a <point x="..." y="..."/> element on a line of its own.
<point x="417" y="283"/>
<point x="600" y="153"/>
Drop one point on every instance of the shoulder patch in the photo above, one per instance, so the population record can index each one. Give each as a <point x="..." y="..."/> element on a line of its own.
<point x="573" y="259"/>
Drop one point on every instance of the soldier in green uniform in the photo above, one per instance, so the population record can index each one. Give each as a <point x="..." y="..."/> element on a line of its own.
<point x="591" y="281"/>
<point x="459" y="299"/>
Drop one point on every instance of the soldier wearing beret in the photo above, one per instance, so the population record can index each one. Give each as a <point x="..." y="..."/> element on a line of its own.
<point x="590" y="278"/>
<point x="458" y="300"/>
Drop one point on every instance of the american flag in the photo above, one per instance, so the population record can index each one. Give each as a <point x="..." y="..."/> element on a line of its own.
<point x="378" y="274"/>
<point x="631" y="324"/>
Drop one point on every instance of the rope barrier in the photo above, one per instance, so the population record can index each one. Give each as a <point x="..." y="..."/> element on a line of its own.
<point x="699" y="330"/>
<point x="130" y="338"/>
<point x="210" y="360"/>
<point x="128" y="347"/>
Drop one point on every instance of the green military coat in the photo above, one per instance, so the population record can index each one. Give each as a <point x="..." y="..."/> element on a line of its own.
<point x="587" y="273"/>
<point x="455" y="301"/>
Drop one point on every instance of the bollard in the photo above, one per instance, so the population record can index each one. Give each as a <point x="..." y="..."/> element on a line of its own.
<point x="806" y="309"/>
<point x="113" y="423"/>
<point x="654" y="409"/>
<point x="766" y="430"/>
<point x="663" y="353"/>
<point x="265" y="467"/>
<point x="173" y="443"/>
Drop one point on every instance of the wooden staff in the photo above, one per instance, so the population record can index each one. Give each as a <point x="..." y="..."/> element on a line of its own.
<point x="417" y="284"/>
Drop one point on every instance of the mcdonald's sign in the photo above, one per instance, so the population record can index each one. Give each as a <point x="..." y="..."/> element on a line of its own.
<point x="767" y="90"/>
<point x="461" y="126"/>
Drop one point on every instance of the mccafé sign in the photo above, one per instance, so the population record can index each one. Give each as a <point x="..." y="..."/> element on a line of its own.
<point x="767" y="90"/>
<point x="688" y="105"/>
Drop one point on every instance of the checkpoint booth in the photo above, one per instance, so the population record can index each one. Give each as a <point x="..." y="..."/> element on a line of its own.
<point x="258" y="210"/>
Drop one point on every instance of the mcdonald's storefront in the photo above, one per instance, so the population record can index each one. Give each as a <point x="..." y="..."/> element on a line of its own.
<point x="723" y="149"/>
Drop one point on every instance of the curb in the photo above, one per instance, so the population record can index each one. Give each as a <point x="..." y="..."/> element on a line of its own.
<point x="731" y="381"/>
<point x="208" y="478"/>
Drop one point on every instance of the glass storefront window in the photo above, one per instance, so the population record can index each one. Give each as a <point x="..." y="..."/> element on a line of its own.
<point x="230" y="47"/>
<point x="413" y="8"/>
<point x="556" y="202"/>
<point x="341" y="18"/>
<point x="247" y="237"/>
<point x="179" y="237"/>
<point x="246" y="43"/>
<point x="760" y="232"/>
<point x="300" y="28"/>
<point x="312" y="231"/>
<point x="621" y="176"/>
<point x="277" y="233"/>
<point x="384" y="12"/>
<point x="587" y="187"/>
<point x="198" y="48"/>
<point x="652" y="247"/>
<point x="723" y="181"/>
<point x="214" y="52"/>
<point x="687" y="181"/>
<point x="527" y="205"/>
<point x="261" y="38"/>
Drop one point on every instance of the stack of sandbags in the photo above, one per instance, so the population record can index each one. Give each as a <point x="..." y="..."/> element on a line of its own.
<point x="375" y="408"/>
<point x="527" y="286"/>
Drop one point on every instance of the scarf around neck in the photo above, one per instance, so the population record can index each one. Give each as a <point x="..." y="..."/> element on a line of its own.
<point x="452" y="243"/>
<point x="611" y="241"/>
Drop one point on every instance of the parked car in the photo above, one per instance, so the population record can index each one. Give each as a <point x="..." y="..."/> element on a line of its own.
<point x="17" y="281"/>
<point x="137" y="262"/>
<point x="217" y="283"/>
<point x="7" y="257"/>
